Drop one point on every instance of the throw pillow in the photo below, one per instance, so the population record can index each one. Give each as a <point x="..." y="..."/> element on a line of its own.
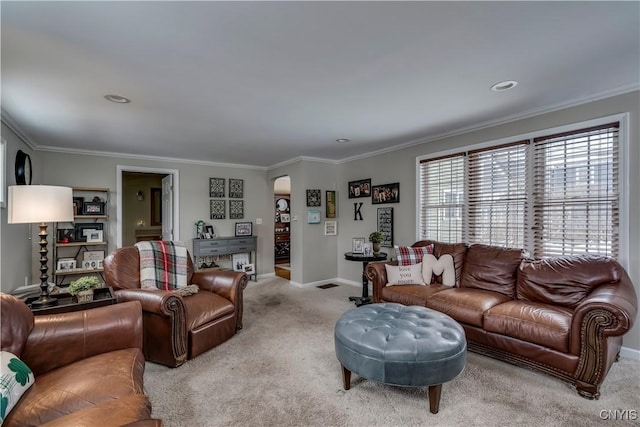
<point x="408" y="255"/>
<point x="15" y="380"/>
<point x="404" y="274"/>
<point x="432" y="266"/>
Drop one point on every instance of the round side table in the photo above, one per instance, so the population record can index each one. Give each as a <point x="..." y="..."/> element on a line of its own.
<point x="364" y="259"/>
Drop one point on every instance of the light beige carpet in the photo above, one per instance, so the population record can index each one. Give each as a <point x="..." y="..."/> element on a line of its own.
<point x="281" y="370"/>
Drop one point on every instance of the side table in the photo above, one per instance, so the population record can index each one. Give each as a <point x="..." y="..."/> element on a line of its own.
<point x="364" y="259"/>
<point x="67" y="302"/>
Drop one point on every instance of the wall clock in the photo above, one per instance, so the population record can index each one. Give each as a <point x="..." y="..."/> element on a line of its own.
<point x="282" y="205"/>
<point x="23" y="168"/>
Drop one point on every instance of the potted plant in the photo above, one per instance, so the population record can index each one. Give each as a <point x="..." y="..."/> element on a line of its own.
<point x="376" y="238"/>
<point x="82" y="288"/>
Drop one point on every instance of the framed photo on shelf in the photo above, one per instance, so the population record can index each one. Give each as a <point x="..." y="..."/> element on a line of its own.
<point x="244" y="228"/>
<point x="78" y="204"/>
<point x="93" y="208"/>
<point x="94" y="236"/>
<point x="208" y="232"/>
<point x="93" y="255"/>
<point x="285" y="217"/>
<point x="82" y="227"/>
<point x="91" y="264"/>
<point x="361" y="188"/>
<point x="239" y="261"/>
<point x="66" y="235"/>
<point x="367" y="249"/>
<point x="216" y="187"/>
<point x="66" y="264"/>
<point x="250" y="269"/>
<point x="386" y="193"/>
<point x="314" y="197"/>
<point x="357" y="245"/>
<point x="236" y="188"/>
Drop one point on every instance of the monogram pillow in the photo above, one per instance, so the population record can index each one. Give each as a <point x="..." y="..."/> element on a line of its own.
<point x="443" y="266"/>
<point x="404" y="274"/>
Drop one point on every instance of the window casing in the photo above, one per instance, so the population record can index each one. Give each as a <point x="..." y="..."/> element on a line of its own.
<point x="556" y="194"/>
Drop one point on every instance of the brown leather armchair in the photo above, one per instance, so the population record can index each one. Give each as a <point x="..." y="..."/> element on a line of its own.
<point x="178" y="328"/>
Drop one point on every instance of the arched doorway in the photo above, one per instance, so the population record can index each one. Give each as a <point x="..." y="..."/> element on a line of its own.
<point x="282" y="227"/>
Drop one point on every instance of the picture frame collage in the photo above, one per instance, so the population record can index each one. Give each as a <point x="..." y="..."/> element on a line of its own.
<point x="314" y="216"/>
<point x="380" y="194"/>
<point x="217" y="203"/>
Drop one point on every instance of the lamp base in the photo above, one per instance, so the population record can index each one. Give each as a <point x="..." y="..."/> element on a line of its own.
<point x="44" y="301"/>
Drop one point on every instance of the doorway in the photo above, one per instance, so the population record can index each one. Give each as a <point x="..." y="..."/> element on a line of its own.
<point x="282" y="227"/>
<point x="147" y="204"/>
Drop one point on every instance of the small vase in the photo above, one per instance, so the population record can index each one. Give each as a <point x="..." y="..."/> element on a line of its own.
<point x="85" y="296"/>
<point x="376" y="248"/>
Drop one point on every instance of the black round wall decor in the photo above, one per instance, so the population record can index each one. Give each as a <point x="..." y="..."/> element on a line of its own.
<point x="23" y="168"/>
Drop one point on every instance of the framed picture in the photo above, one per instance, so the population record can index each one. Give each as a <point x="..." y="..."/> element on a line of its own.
<point x="78" y="204"/>
<point x="330" y="228"/>
<point x="93" y="255"/>
<point x="314" y="198"/>
<point x="244" y="228"/>
<point x="65" y="264"/>
<point x="330" y="210"/>
<point x="313" y="216"/>
<point x="208" y="231"/>
<point x="285" y="217"/>
<point x="156" y="206"/>
<point x="360" y="188"/>
<point x="387" y="193"/>
<point x="236" y="188"/>
<point x="94" y="236"/>
<point x="250" y="269"/>
<point x="357" y="245"/>
<point x="91" y="264"/>
<point x="239" y="261"/>
<point x="236" y="209"/>
<point x="93" y="208"/>
<point x="216" y="187"/>
<point x="385" y="226"/>
<point x="217" y="209"/>
<point x="367" y="249"/>
<point x="82" y="227"/>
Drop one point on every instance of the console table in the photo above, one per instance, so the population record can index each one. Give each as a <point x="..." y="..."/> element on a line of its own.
<point x="219" y="246"/>
<point x="67" y="302"/>
<point x="364" y="259"/>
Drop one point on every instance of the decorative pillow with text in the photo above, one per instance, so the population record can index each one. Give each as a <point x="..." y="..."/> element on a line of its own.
<point x="408" y="255"/>
<point x="443" y="266"/>
<point x="404" y="274"/>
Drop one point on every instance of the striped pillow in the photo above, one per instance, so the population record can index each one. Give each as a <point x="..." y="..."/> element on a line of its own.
<point x="408" y="255"/>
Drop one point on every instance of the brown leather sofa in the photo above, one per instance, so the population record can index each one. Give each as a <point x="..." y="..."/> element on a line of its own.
<point x="178" y="328"/>
<point x="563" y="316"/>
<point x="88" y="366"/>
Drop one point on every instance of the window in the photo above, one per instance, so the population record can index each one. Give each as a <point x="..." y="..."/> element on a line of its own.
<point x="552" y="195"/>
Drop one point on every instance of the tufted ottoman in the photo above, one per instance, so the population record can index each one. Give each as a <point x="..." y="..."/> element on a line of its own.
<point x="401" y="345"/>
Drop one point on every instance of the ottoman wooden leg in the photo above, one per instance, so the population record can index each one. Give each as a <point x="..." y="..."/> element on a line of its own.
<point x="434" y="398"/>
<point x="346" y="378"/>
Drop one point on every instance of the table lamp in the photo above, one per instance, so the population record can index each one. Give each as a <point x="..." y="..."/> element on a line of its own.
<point x="40" y="204"/>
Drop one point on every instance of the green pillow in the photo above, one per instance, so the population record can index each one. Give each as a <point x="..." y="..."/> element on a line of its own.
<point x="15" y="380"/>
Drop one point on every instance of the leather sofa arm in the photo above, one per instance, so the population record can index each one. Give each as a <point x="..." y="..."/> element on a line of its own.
<point x="58" y="340"/>
<point x="227" y="284"/>
<point x="377" y="274"/>
<point x="156" y="301"/>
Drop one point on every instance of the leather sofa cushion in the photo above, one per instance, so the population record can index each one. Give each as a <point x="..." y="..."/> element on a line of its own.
<point x="114" y="413"/>
<point x="410" y="294"/>
<point x="491" y="268"/>
<point x="464" y="304"/>
<point x="456" y="250"/>
<point x="204" y="307"/>
<point x="80" y="385"/>
<point x="565" y="281"/>
<point x="537" y="323"/>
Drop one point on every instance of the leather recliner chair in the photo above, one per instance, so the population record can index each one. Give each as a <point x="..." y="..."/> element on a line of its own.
<point x="178" y="328"/>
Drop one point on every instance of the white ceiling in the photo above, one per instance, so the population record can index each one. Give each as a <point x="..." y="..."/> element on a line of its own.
<point x="258" y="83"/>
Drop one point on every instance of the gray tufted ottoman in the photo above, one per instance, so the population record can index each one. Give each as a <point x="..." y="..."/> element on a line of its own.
<point x="401" y="345"/>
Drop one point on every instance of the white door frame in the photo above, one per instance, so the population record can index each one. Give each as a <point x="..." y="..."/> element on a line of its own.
<point x="176" y="197"/>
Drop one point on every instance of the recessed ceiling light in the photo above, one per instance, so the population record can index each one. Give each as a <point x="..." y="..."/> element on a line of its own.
<point x="505" y="85"/>
<point x="342" y="140"/>
<point x="117" y="99"/>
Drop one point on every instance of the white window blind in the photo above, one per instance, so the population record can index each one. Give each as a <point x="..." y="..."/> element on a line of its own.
<point x="442" y="198"/>
<point x="576" y="193"/>
<point x="552" y="195"/>
<point x="497" y="195"/>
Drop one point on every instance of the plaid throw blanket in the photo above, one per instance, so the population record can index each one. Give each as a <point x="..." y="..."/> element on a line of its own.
<point x="163" y="265"/>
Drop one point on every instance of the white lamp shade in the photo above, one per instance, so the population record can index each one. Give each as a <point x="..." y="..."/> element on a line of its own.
<point x="39" y="203"/>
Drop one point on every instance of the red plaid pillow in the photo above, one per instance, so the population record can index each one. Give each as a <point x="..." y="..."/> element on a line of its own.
<point x="407" y="255"/>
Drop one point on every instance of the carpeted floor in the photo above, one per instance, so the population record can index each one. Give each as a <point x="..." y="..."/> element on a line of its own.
<point x="281" y="370"/>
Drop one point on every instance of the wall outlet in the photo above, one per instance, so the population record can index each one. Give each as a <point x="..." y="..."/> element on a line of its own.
<point x="258" y="221"/>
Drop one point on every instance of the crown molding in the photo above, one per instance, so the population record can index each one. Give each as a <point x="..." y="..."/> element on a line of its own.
<point x="16" y="129"/>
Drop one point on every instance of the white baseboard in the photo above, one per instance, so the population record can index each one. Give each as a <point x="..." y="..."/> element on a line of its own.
<point x="630" y="353"/>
